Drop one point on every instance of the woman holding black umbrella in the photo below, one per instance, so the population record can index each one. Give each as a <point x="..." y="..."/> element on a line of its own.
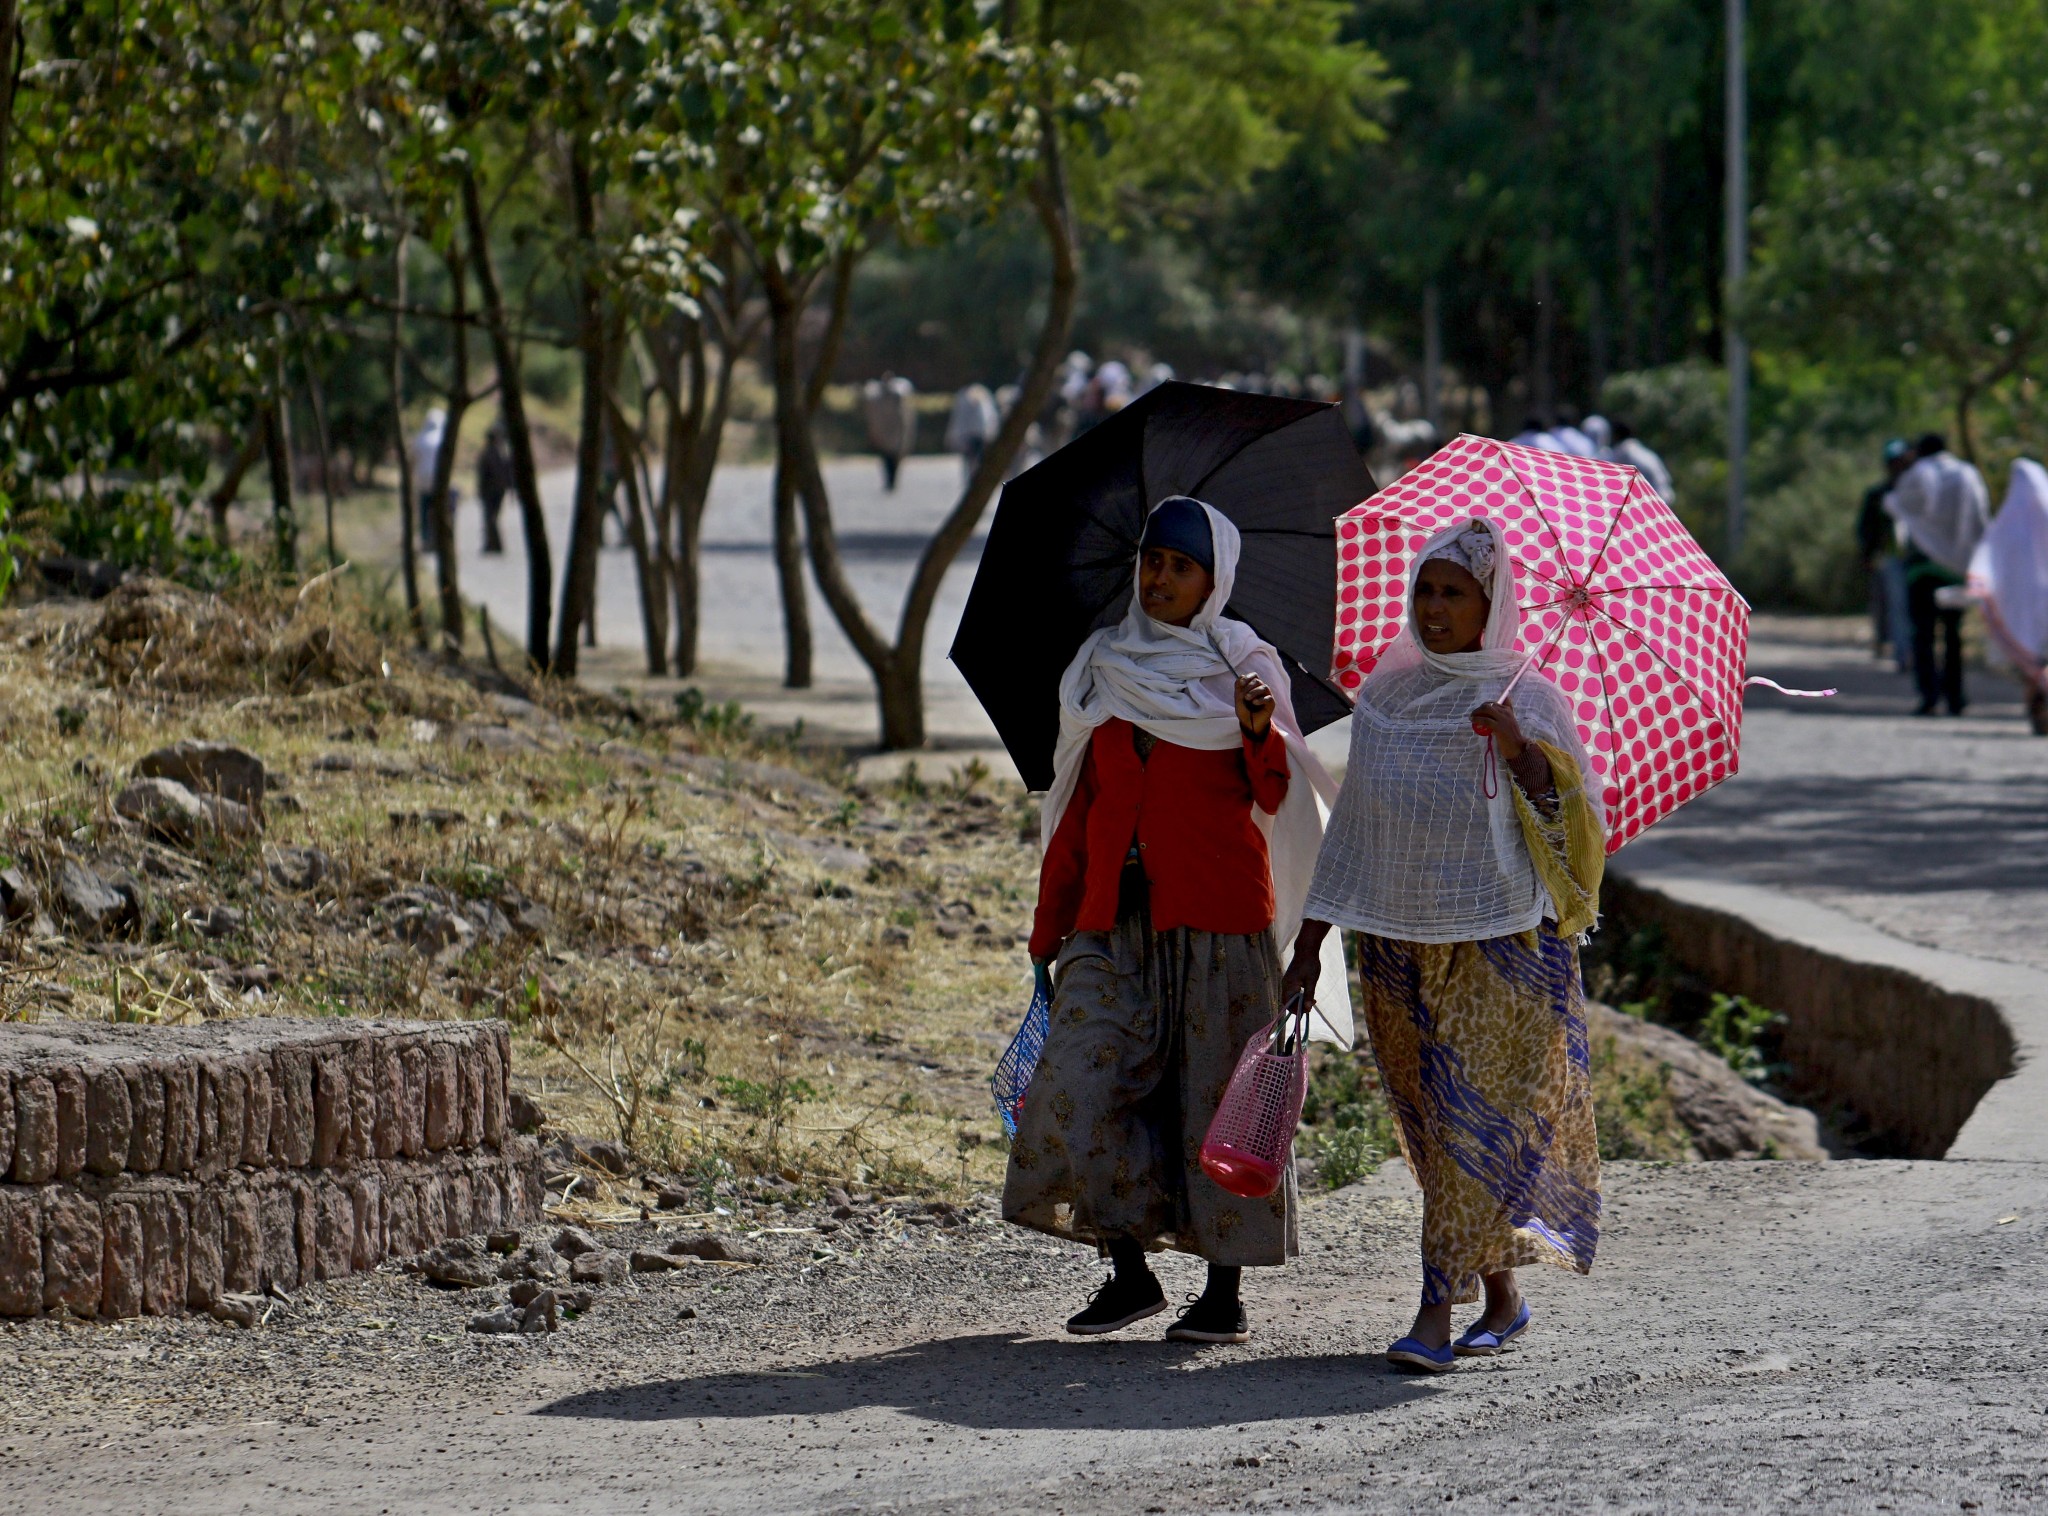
<point x="1172" y="809"/>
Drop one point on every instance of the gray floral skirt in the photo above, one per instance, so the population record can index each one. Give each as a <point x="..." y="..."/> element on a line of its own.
<point x="1146" y="1028"/>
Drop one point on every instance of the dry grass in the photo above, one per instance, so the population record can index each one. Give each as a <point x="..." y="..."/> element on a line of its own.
<point x="725" y="954"/>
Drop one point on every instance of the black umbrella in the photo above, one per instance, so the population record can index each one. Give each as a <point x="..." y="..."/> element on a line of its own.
<point x="1060" y="553"/>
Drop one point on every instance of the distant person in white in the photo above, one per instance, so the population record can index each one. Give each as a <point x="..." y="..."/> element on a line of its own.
<point x="426" y="456"/>
<point x="1942" y="506"/>
<point x="888" y="406"/>
<point x="2009" y="578"/>
<point x="971" y="427"/>
<point x="1628" y="448"/>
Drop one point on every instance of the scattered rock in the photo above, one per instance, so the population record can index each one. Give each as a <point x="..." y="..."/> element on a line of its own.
<point x="1727" y="1116"/>
<point x="242" y="1310"/>
<point x="950" y="930"/>
<point x="575" y="1302"/>
<point x="506" y="1318"/>
<point x="433" y="931"/>
<point x="524" y="1115"/>
<point x="574" y="1242"/>
<point x="670" y="1198"/>
<point x="502" y="1242"/>
<point x="299" y="869"/>
<point x="216" y="921"/>
<point x="896" y="936"/>
<point x="461" y="1263"/>
<point x="534" y="1261"/>
<point x="543" y="1313"/>
<point x="645" y="1262"/>
<point x="178" y="815"/>
<point x="606" y="1266"/>
<point x="529" y="918"/>
<point x="607" y="1156"/>
<point x="712" y="1248"/>
<point x="687" y="1313"/>
<point x="334" y="763"/>
<point x="19" y="897"/>
<point x="218" y="770"/>
<point x="88" y="902"/>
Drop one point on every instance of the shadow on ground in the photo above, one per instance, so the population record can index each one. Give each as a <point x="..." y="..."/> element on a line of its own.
<point x="996" y="1382"/>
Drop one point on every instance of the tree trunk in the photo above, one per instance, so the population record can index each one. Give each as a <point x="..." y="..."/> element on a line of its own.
<point x="277" y="443"/>
<point x="684" y="427"/>
<point x="898" y="668"/>
<point x="902" y="687"/>
<point x="441" y="492"/>
<point x="316" y="394"/>
<point x="408" y="527"/>
<point x="789" y="566"/>
<point x="533" y="519"/>
<point x="223" y="494"/>
<point x="586" y="522"/>
<point x="649" y="566"/>
<point x="10" y="75"/>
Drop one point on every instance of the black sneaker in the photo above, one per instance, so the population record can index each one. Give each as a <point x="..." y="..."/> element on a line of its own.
<point x="1117" y="1304"/>
<point x="1203" y="1320"/>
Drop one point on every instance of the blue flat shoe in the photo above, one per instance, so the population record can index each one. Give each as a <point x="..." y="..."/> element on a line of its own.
<point x="1477" y="1343"/>
<point x="1414" y="1353"/>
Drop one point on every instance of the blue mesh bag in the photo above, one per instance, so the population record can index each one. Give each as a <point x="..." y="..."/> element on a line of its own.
<point x="1013" y="1071"/>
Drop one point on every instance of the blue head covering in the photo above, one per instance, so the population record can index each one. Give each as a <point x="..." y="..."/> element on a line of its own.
<point x="1896" y="449"/>
<point x="1179" y="522"/>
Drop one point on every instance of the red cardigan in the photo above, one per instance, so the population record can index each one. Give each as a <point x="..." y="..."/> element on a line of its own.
<point x="1191" y="814"/>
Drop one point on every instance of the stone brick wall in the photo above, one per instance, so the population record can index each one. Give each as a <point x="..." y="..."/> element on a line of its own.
<point x="154" y="1169"/>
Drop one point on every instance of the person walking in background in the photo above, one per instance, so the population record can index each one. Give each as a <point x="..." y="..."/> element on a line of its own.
<point x="888" y="407"/>
<point x="1943" y="506"/>
<point x="971" y="427"/>
<point x="493" y="482"/>
<point x="426" y="456"/>
<point x="2009" y="578"/>
<point x="1628" y="448"/>
<point x="1469" y="898"/>
<point x="1877" y="541"/>
<point x="1178" y="759"/>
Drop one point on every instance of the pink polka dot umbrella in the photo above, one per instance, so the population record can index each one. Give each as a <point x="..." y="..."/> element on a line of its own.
<point x="1620" y="607"/>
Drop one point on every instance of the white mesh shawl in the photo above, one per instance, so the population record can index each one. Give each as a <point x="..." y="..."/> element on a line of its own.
<point x="1415" y="848"/>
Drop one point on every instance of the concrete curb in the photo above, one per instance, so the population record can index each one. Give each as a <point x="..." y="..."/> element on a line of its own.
<point x="1915" y="1005"/>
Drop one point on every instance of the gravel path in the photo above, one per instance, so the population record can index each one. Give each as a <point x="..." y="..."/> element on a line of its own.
<point x="1837" y="1337"/>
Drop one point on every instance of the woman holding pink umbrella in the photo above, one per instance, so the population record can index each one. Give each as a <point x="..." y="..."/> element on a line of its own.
<point x="1466" y="848"/>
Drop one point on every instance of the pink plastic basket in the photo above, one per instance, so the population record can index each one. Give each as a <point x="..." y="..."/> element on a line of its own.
<point x="1246" y="1151"/>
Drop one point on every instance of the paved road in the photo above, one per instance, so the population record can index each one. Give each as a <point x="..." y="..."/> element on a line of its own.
<point x="1932" y="829"/>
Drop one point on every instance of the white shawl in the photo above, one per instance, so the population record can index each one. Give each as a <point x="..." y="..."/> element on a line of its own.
<point x="2009" y="571"/>
<point x="1179" y="684"/>
<point x="1424" y="844"/>
<point x="1942" y="503"/>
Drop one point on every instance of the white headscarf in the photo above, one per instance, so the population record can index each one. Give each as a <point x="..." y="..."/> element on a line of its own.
<point x="2009" y="570"/>
<point x="1416" y="847"/>
<point x="1179" y="683"/>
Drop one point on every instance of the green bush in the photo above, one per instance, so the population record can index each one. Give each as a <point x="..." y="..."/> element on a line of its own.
<point x="1350" y="1130"/>
<point x="1814" y="443"/>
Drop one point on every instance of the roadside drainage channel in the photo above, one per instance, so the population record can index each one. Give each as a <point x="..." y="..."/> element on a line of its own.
<point x="1940" y="1054"/>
